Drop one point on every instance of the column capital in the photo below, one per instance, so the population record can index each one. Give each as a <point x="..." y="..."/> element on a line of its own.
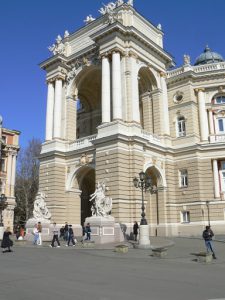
<point x="105" y="55"/>
<point x="197" y="90"/>
<point x="72" y="97"/>
<point x="118" y="50"/>
<point x="163" y="74"/>
<point x="131" y="53"/>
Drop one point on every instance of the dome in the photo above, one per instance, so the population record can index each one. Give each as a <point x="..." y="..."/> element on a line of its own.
<point x="208" y="57"/>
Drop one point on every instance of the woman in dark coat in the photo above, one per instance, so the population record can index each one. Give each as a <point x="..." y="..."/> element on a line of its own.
<point x="6" y="242"/>
<point x="135" y="230"/>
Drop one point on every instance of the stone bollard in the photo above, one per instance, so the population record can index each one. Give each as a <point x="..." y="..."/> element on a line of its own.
<point x="159" y="252"/>
<point x="204" y="257"/>
<point x="88" y="244"/>
<point x="121" y="249"/>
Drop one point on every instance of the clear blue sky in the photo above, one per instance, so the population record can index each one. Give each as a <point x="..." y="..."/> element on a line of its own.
<point x="28" y="27"/>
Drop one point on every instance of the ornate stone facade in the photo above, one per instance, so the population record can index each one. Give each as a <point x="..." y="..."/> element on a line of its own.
<point x="114" y="110"/>
<point x="9" y="147"/>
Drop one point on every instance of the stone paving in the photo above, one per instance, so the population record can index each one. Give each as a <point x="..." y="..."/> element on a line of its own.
<point x="32" y="272"/>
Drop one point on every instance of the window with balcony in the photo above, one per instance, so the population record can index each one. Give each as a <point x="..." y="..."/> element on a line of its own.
<point x="183" y="178"/>
<point x="181" y="126"/>
<point x="185" y="216"/>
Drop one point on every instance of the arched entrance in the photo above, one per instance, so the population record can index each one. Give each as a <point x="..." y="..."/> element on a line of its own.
<point x="87" y="187"/>
<point x="155" y="207"/>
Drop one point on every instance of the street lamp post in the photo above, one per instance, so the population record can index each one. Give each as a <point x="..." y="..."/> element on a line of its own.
<point x="3" y="205"/>
<point x="207" y="205"/>
<point x="144" y="183"/>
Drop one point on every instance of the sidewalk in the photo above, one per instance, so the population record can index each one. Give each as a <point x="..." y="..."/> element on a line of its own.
<point x="180" y="249"/>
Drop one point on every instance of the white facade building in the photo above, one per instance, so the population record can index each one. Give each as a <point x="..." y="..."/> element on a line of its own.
<point x="114" y="109"/>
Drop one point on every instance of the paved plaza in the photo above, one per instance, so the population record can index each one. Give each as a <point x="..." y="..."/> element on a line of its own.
<point x="31" y="273"/>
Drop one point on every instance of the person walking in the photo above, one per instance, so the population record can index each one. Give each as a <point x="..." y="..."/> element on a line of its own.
<point x="66" y="228"/>
<point x="6" y="242"/>
<point x="207" y="236"/>
<point x="39" y="228"/>
<point x="135" y="230"/>
<point x="70" y="236"/>
<point x="55" y="237"/>
<point x="62" y="232"/>
<point x="36" y="235"/>
<point x="88" y="232"/>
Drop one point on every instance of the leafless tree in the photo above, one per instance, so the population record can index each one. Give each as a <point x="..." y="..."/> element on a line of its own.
<point x="27" y="180"/>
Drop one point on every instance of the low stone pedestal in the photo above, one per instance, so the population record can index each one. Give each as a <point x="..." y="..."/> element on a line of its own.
<point x="88" y="244"/>
<point x="159" y="252"/>
<point x="20" y="242"/>
<point x="104" y="230"/>
<point x="121" y="249"/>
<point x="204" y="257"/>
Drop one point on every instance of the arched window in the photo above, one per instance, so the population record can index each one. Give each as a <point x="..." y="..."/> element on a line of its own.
<point x="181" y="126"/>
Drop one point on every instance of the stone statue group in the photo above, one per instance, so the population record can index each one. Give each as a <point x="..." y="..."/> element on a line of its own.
<point x="102" y="205"/>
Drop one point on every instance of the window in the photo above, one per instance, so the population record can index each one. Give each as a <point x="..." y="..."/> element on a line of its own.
<point x="220" y="99"/>
<point x="181" y="126"/>
<point x="183" y="178"/>
<point x="185" y="216"/>
<point x="221" y="125"/>
<point x="4" y="139"/>
<point x="2" y="165"/>
<point x="222" y="176"/>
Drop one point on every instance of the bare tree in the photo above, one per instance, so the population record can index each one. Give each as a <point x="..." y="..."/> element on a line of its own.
<point x="27" y="180"/>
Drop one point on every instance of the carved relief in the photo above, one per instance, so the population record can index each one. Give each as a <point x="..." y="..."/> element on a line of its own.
<point x="84" y="159"/>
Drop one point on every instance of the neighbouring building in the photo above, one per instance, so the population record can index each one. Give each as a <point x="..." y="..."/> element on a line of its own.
<point x="9" y="147"/>
<point x="115" y="107"/>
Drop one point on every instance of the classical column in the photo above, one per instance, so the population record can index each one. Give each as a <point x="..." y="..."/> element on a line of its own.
<point x="106" y="112"/>
<point x="49" y="112"/>
<point x="13" y="174"/>
<point x="116" y="86"/>
<point x="216" y="179"/>
<point x="202" y="115"/>
<point x="134" y="90"/>
<point x="58" y="108"/>
<point x="9" y="173"/>
<point x="211" y="124"/>
<point x="166" y="124"/>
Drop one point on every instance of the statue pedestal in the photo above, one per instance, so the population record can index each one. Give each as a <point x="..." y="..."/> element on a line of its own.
<point x="144" y="241"/>
<point x="104" y="229"/>
<point x="46" y="233"/>
<point x="1" y="232"/>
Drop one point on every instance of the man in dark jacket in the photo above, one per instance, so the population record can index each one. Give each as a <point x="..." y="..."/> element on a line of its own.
<point x="207" y="236"/>
<point x="70" y="236"/>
